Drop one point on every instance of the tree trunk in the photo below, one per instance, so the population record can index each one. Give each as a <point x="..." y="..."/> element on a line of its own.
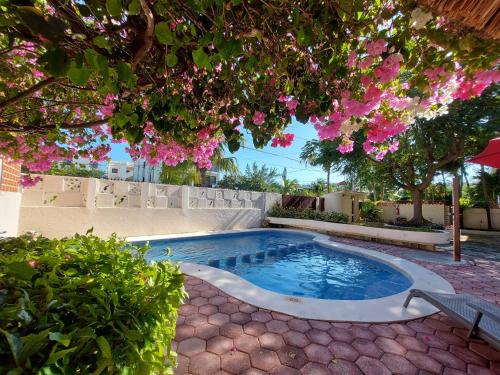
<point x="328" y="188"/>
<point x="465" y="177"/>
<point x="374" y="187"/>
<point x="418" y="217"/>
<point x="382" y="192"/>
<point x="486" y="198"/>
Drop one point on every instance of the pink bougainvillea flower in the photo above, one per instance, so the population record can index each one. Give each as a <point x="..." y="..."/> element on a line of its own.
<point x="351" y="60"/>
<point x="389" y="68"/>
<point x="376" y="47"/>
<point x="366" y="62"/>
<point x="28" y="181"/>
<point x="284" y="140"/>
<point x="394" y="147"/>
<point x="346" y="146"/>
<point x="259" y="118"/>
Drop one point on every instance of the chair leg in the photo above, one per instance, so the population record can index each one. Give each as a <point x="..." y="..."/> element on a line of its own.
<point x="408" y="299"/>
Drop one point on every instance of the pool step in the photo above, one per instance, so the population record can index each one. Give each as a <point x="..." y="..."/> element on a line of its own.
<point x="272" y="251"/>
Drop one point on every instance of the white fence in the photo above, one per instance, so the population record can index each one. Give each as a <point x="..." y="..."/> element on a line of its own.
<point x="61" y="206"/>
<point x="62" y="191"/>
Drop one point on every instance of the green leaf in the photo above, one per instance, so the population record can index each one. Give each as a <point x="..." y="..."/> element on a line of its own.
<point x="54" y="61"/>
<point x="54" y="357"/>
<point x="134" y="7"/>
<point x="125" y="73"/>
<point x="101" y="42"/>
<point x="60" y="338"/>
<point x="21" y="270"/>
<point x="104" y="346"/>
<point x="304" y="36"/>
<point x="114" y="7"/>
<point x="233" y="145"/>
<point x="171" y="60"/>
<point x="163" y="33"/>
<point x="16" y="346"/>
<point x="201" y="59"/>
<point x="79" y="76"/>
<point x="120" y="119"/>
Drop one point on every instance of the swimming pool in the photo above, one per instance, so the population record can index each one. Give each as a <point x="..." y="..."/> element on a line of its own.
<point x="289" y="263"/>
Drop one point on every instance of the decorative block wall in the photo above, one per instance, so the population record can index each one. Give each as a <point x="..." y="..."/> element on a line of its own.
<point x="10" y="174"/>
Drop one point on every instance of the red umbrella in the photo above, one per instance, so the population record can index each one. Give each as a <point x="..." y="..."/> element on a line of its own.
<point x="490" y="156"/>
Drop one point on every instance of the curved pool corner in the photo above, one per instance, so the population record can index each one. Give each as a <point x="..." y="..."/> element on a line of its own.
<point x="378" y="310"/>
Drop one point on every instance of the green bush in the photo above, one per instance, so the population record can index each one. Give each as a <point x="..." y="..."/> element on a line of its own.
<point x="308" y="214"/>
<point x="369" y="211"/>
<point x="84" y="305"/>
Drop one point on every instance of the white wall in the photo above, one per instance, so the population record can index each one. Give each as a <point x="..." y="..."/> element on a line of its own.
<point x="432" y="212"/>
<point x="475" y="218"/>
<point x="56" y="222"/>
<point x="61" y="206"/>
<point x="10" y="203"/>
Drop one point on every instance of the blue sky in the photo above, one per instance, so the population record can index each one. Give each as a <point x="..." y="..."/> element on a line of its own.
<point x="275" y="157"/>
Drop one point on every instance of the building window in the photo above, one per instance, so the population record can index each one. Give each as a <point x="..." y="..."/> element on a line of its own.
<point x="114" y="170"/>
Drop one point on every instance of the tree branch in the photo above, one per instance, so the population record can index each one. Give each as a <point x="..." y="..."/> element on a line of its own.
<point x="147" y="37"/>
<point x="28" y="92"/>
<point x="15" y="128"/>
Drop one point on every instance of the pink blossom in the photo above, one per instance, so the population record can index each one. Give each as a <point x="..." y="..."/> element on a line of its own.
<point x="284" y="140"/>
<point x="28" y="181"/>
<point x="37" y="74"/>
<point x="377" y="47"/>
<point x="381" y="154"/>
<point x="394" y="147"/>
<point x="351" y="59"/>
<point x="389" y="69"/>
<point x="365" y="80"/>
<point x="368" y="147"/>
<point x="366" y="62"/>
<point x="259" y="118"/>
<point x="346" y="146"/>
<point x="292" y="104"/>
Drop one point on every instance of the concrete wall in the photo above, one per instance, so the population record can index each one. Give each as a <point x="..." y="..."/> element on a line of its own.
<point x="346" y="202"/>
<point x="10" y="203"/>
<point x="475" y="218"/>
<point x="56" y="222"/>
<point x="62" y="206"/>
<point x="436" y="213"/>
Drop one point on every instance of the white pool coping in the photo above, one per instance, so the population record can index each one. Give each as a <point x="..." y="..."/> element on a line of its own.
<point x="386" y="309"/>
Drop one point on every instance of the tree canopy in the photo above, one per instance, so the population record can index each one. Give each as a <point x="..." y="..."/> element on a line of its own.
<point x="176" y="78"/>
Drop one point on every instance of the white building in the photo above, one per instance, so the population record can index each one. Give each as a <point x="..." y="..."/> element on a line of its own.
<point x="146" y="173"/>
<point x="120" y="170"/>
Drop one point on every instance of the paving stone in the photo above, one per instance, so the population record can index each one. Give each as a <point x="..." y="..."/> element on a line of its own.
<point x="195" y="319"/>
<point x="253" y="371"/>
<point x="437" y="325"/>
<point x="367" y="348"/>
<point x="261" y="316"/>
<point x="318" y="353"/>
<point x="343" y="367"/>
<point x="264" y="359"/>
<point x="246" y="343"/>
<point x="451" y="338"/>
<point x="280" y="316"/>
<point x="469" y="356"/>
<point x="228" y="308"/>
<point x="297" y="339"/>
<point x="398" y="364"/>
<point x="371" y="366"/>
<point x="318" y="336"/>
<point x="209" y="293"/>
<point x="272" y="341"/>
<point x="217" y="300"/>
<point x="486" y="351"/>
<point x="383" y="330"/>
<point x="390" y="346"/>
<point x="246" y="308"/>
<point x="240" y="318"/>
<point x="299" y="325"/>
<point x="198" y="301"/>
<point x="220" y="344"/>
<point x="207" y="309"/>
<point x="231" y="330"/>
<point x="420" y="327"/>
<point x="363" y="333"/>
<point x="341" y="350"/>
<point x="186" y="310"/>
<point x="218" y="319"/>
<point x="204" y="364"/>
<point x="452" y="371"/>
<point x="182" y="364"/>
<point x="314" y="368"/>
<point x="183" y="332"/>
<point x="255" y="328"/>
<point x="341" y="334"/>
<point x="206" y="331"/>
<point x="321" y="325"/>
<point x="412" y="343"/>
<point x="235" y="362"/>
<point x="476" y="370"/>
<point x="432" y="341"/>
<point x="403" y="329"/>
<point x="277" y="326"/>
<point x="285" y="370"/>
<point x="447" y="359"/>
<point x="423" y="362"/>
<point x="191" y="346"/>
<point x="292" y="357"/>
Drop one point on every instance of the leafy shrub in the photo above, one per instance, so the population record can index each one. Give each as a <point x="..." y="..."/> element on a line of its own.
<point x="308" y="214"/>
<point x="369" y="211"/>
<point x="85" y="305"/>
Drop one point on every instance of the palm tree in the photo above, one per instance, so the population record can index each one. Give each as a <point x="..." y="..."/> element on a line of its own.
<point x="320" y="153"/>
<point x="289" y="186"/>
<point x="188" y="173"/>
<point x="318" y="187"/>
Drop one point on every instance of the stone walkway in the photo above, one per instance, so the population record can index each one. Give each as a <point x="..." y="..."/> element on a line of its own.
<point x="218" y="334"/>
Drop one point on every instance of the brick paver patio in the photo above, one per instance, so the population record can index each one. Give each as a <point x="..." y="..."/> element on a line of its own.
<point x="218" y="334"/>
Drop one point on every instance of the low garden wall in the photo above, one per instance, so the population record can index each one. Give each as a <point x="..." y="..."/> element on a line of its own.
<point x="475" y="218"/>
<point x="436" y="213"/>
<point x="61" y="206"/>
<point x="417" y="237"/>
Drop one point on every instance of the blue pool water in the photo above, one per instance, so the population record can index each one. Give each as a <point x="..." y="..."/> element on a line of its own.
<point x="288" y="263"/>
